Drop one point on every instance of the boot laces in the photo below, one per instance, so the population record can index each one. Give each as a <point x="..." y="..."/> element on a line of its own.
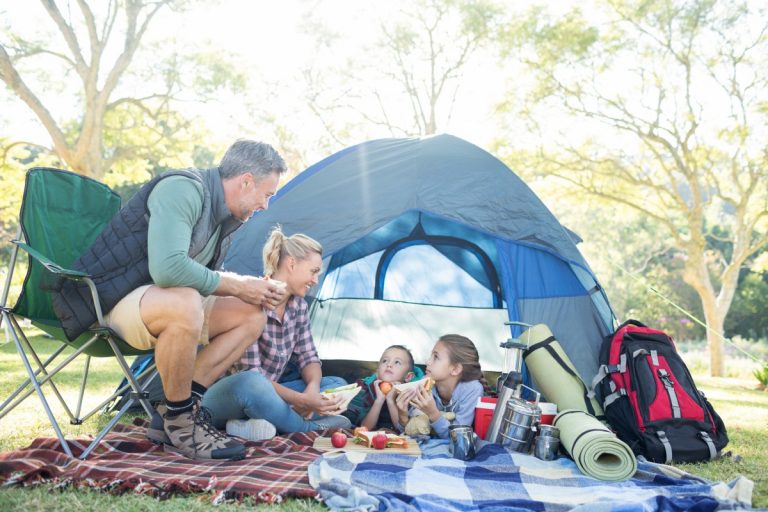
<point x="202" y="418"/>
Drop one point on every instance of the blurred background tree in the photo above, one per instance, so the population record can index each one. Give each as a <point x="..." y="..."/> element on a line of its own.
<point x="120" y="121"/>
<point x="406" y="82"/>
<point x="642" y="126"/>
<point x="659" y="107"/>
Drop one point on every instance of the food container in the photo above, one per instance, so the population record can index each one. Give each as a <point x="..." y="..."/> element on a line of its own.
<point x="518" y="425"/>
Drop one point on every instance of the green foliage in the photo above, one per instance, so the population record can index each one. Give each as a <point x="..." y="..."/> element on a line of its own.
<point x="747" y="316"/>
<point x="761" y="375"/>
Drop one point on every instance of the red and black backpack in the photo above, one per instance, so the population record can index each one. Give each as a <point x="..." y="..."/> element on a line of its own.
<point x="651" y="401"/>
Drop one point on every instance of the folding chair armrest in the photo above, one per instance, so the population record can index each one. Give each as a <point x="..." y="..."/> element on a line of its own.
<point x="49" y="264"/>
<point x="75" y="275"/>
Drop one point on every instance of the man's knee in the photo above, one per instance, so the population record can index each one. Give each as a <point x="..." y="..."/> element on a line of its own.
<point x="181" y="310"/>
<point x="256" y="319"/>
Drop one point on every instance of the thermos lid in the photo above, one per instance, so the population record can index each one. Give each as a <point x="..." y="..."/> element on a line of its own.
<point x="520" y="405"/>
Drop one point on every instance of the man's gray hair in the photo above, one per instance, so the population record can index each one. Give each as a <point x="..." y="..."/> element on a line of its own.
<point x="258" y="158"/>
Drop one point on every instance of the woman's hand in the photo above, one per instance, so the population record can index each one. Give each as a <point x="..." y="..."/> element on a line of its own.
<point x="319" y="403"/>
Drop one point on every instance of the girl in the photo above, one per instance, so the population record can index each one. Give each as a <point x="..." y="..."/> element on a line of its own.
<point x="455" y="368"/>
<point x="257" y="401"/>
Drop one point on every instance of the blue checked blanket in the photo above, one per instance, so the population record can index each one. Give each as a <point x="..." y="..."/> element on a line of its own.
<point x="499" y="480"/>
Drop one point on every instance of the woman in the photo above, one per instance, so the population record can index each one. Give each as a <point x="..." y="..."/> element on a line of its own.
<point x="255" y="402"/>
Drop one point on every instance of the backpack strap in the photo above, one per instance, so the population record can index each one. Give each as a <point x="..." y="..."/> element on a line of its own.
<point x="655" y="357"/>
<point x="667" y="446"/>
<point x="710" y="444"/>
<point x="604" y="371"/>
<point x="615" y="395"/>
<point x="669" y="385"/>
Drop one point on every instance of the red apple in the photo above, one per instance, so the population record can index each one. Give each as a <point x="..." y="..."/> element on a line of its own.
<point x="379" y="441"/>
<point x="338" y="439"/>
<point x="385" y="387"/>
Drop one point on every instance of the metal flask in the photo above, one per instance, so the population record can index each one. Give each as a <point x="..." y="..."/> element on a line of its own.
<point x="508" y="388"/>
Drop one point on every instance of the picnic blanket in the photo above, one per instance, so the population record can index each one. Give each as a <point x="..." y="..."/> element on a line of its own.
<point x="126" y="462"/>
<point x="500" y="480"/>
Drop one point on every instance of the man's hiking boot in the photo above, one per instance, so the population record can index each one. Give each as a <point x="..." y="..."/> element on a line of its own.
<point x="156" y="430"/>
<point x="193" y="435"/>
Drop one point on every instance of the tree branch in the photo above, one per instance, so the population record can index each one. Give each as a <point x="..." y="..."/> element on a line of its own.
<point x="11" y="77"/>
<point x="69" y="37"/>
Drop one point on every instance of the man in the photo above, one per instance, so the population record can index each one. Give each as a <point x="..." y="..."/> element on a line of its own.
<point x="155" y="266"/>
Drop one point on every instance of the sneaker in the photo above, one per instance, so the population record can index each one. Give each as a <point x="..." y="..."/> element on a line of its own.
<point x="326" y="422"/>
<point x="251" y="429"/>
<point x="156" y="430"/>
<point x="191" y="434"/>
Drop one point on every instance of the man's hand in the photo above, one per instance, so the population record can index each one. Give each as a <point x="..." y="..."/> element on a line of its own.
<point x="253" y="290"/>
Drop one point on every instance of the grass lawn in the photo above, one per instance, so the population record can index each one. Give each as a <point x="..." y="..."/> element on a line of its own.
<point x="743" y="408"/>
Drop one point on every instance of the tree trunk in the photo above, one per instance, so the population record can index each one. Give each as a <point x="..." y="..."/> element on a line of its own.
<point x="715" y="319"/>
<point x="696" y="274"/>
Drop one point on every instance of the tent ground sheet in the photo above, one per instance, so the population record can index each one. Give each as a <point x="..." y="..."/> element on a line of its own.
<point x="125" y="462"/>
<point x="500" y="480"/>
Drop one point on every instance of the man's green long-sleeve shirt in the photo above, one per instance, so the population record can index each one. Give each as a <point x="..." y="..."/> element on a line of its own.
<point x="175" y="206"/>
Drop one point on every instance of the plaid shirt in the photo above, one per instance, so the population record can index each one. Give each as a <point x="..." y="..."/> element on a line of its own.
<point x="280" y="340"/>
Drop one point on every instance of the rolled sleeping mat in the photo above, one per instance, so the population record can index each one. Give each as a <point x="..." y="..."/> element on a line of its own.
<point x="555" y="375"/>
<point x="595" y="449"/>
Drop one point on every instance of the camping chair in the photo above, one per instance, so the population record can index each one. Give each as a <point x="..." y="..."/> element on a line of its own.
<point x="61" y="214"/>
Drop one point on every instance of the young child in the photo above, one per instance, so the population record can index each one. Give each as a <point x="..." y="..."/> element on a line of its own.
<point x="454" y="365"/>
<point x="367" y="408"/>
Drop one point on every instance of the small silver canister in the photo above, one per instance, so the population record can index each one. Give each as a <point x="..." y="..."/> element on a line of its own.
<point x="461" y="442"/>
<point x="518" y="424"/>
<point x="549" y="431"/>
<point x="547" y="443"/>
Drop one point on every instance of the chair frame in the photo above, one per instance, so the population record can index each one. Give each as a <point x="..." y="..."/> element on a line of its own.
<point x="41" y="372"/>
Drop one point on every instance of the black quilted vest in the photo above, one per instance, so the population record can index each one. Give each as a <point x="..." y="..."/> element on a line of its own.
<point x="117" y="260"/>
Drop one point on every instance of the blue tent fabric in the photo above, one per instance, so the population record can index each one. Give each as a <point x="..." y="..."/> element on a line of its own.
<point x="449" y="213"/>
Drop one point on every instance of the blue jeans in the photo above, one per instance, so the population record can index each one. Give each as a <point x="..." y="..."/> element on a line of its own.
<point x="251" y="395"/>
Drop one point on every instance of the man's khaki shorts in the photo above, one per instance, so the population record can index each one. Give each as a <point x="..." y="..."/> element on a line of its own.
<point x="125" y="320"/>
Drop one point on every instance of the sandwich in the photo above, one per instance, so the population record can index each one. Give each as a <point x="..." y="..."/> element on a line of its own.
<point x="365" y="437"/>
<point x="348" y="392"/>
<point x="426" y="382"/>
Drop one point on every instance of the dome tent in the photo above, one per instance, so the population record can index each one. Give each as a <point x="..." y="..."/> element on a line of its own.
<point x="429" y="236"/>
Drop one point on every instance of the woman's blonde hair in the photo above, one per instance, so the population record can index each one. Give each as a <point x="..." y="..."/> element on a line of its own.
<point x="279" y="246"/>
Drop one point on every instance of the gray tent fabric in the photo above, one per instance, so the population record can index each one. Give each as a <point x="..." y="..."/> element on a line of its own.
<point x="372" y="204"/>
<point x="338" y="203"/>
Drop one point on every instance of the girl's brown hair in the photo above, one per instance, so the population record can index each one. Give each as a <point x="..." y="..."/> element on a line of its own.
<point x="279" y="246"/>
<point x="462" y="351"/>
